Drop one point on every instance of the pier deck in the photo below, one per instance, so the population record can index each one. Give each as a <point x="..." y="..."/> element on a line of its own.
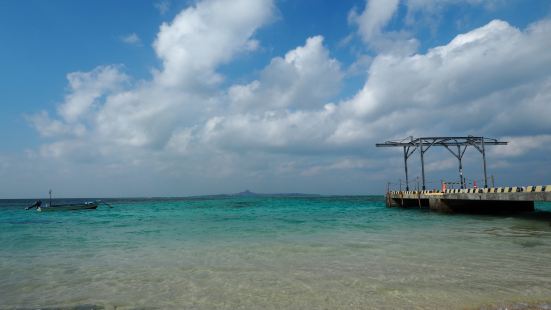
<point x="472" y="200"/>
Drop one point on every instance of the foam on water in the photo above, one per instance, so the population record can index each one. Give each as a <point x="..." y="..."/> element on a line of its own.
<point x="270" y="253"/>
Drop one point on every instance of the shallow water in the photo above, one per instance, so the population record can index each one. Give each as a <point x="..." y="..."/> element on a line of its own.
<point x="270" y="253"/>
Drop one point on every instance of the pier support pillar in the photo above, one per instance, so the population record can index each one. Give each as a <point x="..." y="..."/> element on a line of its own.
<point x="439" y="205"/>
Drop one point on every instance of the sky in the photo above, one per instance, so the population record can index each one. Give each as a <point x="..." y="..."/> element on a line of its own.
<point x="136" y="98"/>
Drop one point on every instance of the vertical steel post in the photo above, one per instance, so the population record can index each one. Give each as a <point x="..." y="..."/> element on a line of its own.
<point x="387" y="195"/>
<point x="459" y="157"/>
<point x="406" y="166"/>
<point x="484" y="160"/>
<point x="422" y="163"/>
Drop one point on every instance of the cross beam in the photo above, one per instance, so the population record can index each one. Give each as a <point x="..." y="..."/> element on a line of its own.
<point x="411" y="144"/>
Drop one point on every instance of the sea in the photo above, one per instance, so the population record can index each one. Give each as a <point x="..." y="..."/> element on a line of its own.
<point x="279" y="252"/>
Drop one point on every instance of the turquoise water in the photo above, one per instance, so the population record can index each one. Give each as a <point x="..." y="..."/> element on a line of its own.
<point x="270" y="253"/>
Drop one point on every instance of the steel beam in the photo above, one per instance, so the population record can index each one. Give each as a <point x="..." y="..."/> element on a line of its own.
<point x="484" y="160"/>
<point x="461" y="143"/>
<point x="406" y="150"/>
<point x="422" y="164"/>
<point x="460" y="167"/>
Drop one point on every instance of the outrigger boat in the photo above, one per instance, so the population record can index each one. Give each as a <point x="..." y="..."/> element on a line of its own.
<point x="69" y="207"/>
<point x="88" y="205"/>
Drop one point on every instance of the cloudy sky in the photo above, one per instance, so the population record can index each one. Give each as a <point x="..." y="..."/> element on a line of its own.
<point x="175" y="98"/>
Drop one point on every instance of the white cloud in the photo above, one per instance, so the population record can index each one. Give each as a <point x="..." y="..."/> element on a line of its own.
<point x="360" y="66"/>
<point x="86" y="91"/>
<point x="476" y="77"/>
<point x="49" y="127"/>
<point x="191" y="47"/>
<point x="280" y="132"/>
<point x="205" y="36"/>
<point x="371" y="25"/>
<point x="304" y="79"/>
<point x="132" y="39"/>
<point x="374" y="18"/>
<point x="87" y="87"/>
<point x="184" y="123"/>
<point x="479" y="83"/>
<point x="490" y="79"/>
<point x="521" y="145"/>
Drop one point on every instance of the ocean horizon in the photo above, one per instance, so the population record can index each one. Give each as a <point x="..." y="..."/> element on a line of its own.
<point x="271" y="252"/>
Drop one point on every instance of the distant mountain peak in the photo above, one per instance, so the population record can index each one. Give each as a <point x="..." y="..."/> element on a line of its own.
<point x="246" y="193"/>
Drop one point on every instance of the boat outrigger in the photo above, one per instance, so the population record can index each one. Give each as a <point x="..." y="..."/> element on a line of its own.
<point x="69" y="207"/>
<point x="88" y="205"/>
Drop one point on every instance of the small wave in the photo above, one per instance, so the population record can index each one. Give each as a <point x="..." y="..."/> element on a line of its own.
<point x="508" y="232"/>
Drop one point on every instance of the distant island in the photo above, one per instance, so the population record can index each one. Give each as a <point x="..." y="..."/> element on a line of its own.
<point x="248" y="193"/>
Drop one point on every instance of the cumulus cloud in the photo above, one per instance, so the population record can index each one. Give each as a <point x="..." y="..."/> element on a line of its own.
<point x="521" y="145"/>
<point x="374" y="18"/>
<point x="304" y="79"/>
<point x="205" y="36"/>
<point x="86" y="91"/>
<point x="48" y="127"/>
<point x="85" y="88"/>
<point x="471" y="84"/>
<point x="372" y="22"/>
<point x="300" y="132"/>
<point x="481" y="82"/>
<point x="199" y="39"/>
<point x="290" y="121"/>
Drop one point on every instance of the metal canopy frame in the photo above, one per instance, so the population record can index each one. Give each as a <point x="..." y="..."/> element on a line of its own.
<point x="456" y="145"/>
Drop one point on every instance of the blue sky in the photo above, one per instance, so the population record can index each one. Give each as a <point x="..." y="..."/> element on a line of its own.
<point x="273" y="96"/>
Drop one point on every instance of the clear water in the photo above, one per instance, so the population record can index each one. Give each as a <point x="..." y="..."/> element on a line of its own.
<point x="270" y="253"/>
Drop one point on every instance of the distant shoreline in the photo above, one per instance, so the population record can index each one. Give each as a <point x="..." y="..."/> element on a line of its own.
<point x="240" y="194"/>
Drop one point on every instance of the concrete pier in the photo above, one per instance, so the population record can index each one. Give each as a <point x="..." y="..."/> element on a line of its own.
<point x="472" y="200"/>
